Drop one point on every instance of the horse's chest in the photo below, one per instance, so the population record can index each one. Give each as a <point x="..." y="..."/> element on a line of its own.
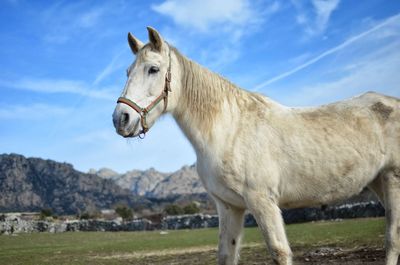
<point x="219" y="184"/>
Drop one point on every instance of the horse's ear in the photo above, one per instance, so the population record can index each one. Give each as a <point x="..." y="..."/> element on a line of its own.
<point x="155" y="38"/>
<point x="134" y="43"/>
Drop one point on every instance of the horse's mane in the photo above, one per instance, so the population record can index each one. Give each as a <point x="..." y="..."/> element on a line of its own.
<point x="204" y="92"/>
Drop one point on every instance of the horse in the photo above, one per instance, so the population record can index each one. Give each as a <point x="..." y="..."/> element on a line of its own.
<point x="255" y="154"/>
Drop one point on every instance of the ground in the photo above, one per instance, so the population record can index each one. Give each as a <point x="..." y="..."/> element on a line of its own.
<point x="358" y="241"/>
<point x="256" y="255"/>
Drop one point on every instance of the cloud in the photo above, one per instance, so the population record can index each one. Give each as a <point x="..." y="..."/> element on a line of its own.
<point x="324" y="9"/>
<point x="59" y="86"/>
<point x="13" y="2"/>
<point x="124" y="154"/>
<point x="217" y="58"/>
<point x="228" y="19"/>
<point x="32" y="112"/>
<point x="90" y="18"/>
<point x="63" y="21"/>
<point x="375" y="72"/>
<point x="112" y="67"/>
<point x="213" y="31"/>
<point x="388" y="22"/>
<point x="204" y="14"/>
<point x="315" y="22"/>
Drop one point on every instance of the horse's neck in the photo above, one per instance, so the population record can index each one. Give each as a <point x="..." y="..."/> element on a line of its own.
<point x="203" y="95"/>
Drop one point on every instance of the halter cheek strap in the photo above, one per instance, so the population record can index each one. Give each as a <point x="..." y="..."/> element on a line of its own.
<point x="144" y="111"/>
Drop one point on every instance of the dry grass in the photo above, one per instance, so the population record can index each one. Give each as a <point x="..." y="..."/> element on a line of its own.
<point x="195" y="247"/>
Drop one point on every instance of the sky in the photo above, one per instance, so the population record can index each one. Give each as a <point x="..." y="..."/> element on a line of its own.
<point x="63" y="65"/>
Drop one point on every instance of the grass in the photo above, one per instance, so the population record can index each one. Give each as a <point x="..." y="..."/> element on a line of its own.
<point x="95" y="247"/>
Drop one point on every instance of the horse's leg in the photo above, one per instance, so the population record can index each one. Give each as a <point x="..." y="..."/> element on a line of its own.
<point x="269" y="219"/>
<point x="391" y="183"/>
<point x="231" y="221"/>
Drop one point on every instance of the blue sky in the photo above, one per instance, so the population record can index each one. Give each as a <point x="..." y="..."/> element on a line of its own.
<point x="62" y="66"/>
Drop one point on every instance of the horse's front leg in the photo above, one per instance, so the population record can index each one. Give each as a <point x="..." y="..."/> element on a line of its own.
<point x="231" y="221"/>
<point x="270" y="221"/>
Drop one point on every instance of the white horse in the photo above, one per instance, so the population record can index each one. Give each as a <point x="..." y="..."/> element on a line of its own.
<point x="255" y="154"/>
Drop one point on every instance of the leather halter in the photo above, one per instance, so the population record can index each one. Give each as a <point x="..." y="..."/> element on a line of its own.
<point x="144" y="111"/>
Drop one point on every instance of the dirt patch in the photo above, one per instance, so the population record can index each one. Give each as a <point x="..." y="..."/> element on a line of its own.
<point x="254" y="254"/>
<point x="159" y="253"/>
<point x="327" y="255"/>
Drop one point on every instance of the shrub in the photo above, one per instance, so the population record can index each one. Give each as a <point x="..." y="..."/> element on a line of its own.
<point x="173" y="209"/>
<point x="125" y="212"/>
<point x="191" y="208"/>
<point x="44" y="213"/>
<point x="85" y="216"/>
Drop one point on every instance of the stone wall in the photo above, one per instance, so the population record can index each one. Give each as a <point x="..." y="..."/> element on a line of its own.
<point x="14" y="224"/>
<point x="17" y="225"/>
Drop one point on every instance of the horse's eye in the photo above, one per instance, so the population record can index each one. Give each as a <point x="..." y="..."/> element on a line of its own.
<point x="153" y="70"/>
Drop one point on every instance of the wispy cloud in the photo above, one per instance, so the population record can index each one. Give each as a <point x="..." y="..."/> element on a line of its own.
<point x="348" y="42"/>
<point x="219" y="26"/>
<point x="90" y="18"/>
<point x="204" y="14"/>
<point x="316" y="19"/>
<point x="217" y="58"/>
<point x="115" y="65"/>
<point x="32" y="112"/>
<point x="228" y="19"/>
<point x="62" y="21"/>
<point x="59" y="86"/>
<point x="324" y="9"/>
<point x="123" y="151"/>
<point x="13" y="2"/>
<point x="376" y="72"/>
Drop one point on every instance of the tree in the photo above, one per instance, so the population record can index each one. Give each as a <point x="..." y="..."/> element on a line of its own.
<point x="124" y="211"/>
<point x="89" y="215"/>
<point x="173" y="209"/>
<point x="44" y="213"/>
<point x="85" y="216"/>
<point x="191" y="208"/>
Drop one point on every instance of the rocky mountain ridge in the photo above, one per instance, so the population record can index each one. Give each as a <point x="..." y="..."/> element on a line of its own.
<point x="154" y="184"/>
<point x="32" y="184"/>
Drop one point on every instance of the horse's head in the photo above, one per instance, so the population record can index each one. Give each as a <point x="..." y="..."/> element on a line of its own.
<point x="145" y="96"/>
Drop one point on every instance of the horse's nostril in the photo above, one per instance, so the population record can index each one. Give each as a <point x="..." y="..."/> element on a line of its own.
<point x="124" y="119"/>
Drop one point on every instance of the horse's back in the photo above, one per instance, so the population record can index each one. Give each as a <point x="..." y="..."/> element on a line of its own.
<point x="337" y="149"/>
<point x="376" y="115"/>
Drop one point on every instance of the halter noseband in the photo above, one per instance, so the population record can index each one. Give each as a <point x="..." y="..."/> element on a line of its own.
<point x="144" y="111"/>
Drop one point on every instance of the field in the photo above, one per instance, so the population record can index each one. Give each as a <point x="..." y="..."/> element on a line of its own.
<point x="358" y="241"/>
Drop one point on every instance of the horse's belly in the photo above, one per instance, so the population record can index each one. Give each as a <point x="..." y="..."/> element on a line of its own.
<point x="315" y="193"/>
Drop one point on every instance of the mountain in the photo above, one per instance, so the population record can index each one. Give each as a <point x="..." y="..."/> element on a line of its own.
<point x="104" y="173"/>
<point x="184" y="186"/>
<point x="154" y="184"/>
<point x="140" y="182"/>
<point x="32" y="184"/>
<point x="182" y="182"/>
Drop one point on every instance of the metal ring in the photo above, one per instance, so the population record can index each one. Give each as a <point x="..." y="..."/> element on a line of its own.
<point x="142" y="134"/>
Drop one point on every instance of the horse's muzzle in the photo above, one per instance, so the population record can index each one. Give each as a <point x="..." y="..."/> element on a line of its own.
<point x="125" y="123"/>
